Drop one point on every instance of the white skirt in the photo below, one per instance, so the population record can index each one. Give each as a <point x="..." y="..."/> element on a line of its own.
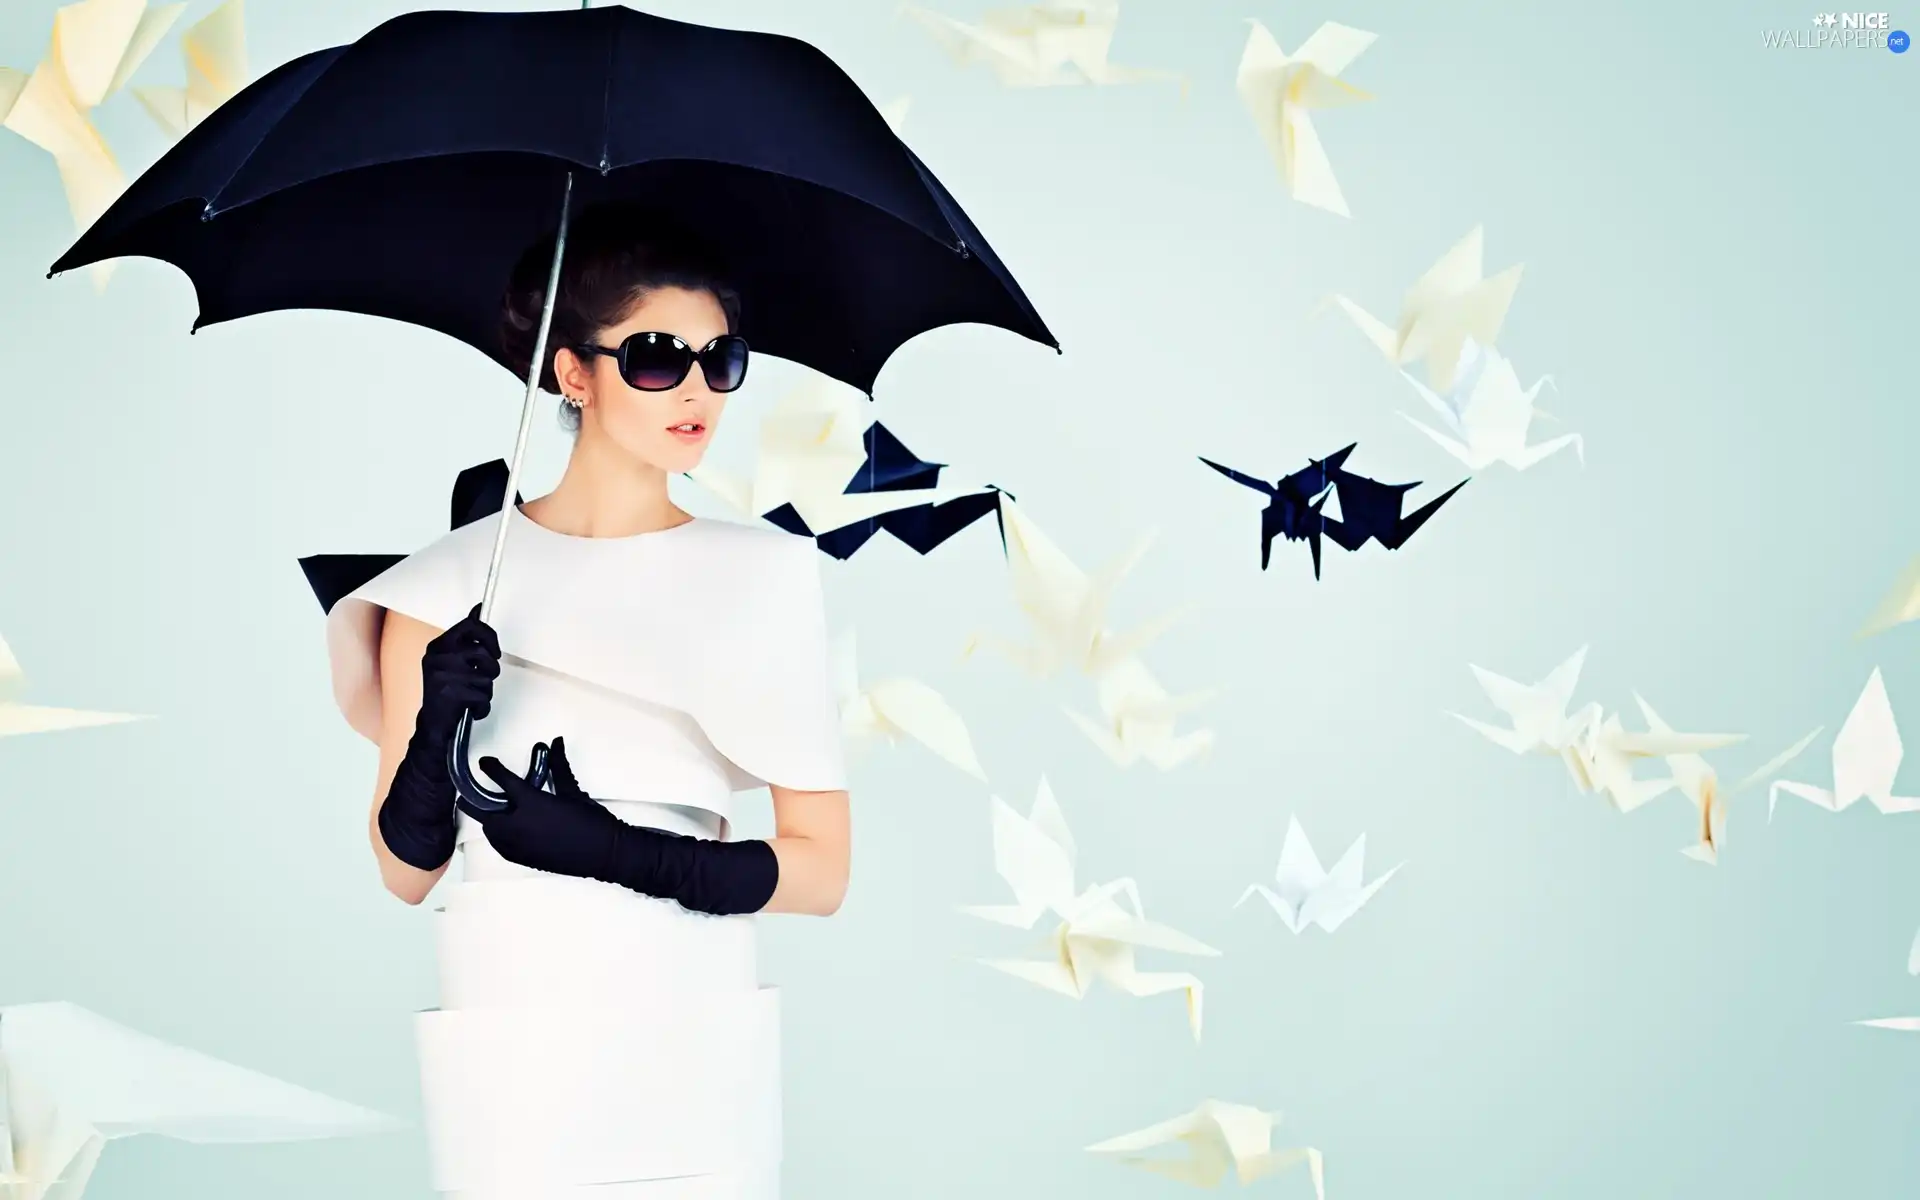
<point x="595" y="1044"/>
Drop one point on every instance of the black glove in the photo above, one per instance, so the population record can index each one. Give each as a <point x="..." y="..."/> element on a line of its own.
<point x="566" y="832"/>
<point x="417" y="819"/>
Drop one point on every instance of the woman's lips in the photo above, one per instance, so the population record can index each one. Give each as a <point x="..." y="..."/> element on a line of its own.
<point x="688" y="431"/>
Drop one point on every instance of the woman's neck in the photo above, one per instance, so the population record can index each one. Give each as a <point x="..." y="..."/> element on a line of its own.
<point x="606" y="495"/>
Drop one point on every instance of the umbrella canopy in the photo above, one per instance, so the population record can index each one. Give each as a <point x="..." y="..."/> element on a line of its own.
<point x="404" y="175"/>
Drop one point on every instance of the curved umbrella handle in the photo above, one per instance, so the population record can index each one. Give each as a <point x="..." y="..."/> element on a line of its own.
<point x="472" y="792"/>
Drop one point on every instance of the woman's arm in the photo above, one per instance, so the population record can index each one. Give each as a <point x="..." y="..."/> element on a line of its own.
<point x="403" y="642"/>
<point x="813" y="842"/>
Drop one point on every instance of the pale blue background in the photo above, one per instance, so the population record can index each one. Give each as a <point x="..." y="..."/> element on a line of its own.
<point x="1547" y="1002"/>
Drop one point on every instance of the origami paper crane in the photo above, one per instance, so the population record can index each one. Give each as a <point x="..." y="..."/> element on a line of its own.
<point x="71" y="1081"/>
<point x="897" y="708"/>
<point x="1900" y="605"/>
<point x="17" y="718"/>
<point x="1097" y="935"/>
<point x="1044" y="45"/>
<point x="1452" y="304"/>
<point x="1597" y="750"/>
<point x="826" y="470"/>
<point x="1282" y="89"/>
<point x="1369" y="510"/>
<point x="1305" y="893"/>
<point x="1697" y="781"/>
<point x="1138" y="717"/>
<point x="1065" y="608"/>
<point x="1537" y="711"/>
<point x="1602" y="757"/>
<point x="1220" y="1139"/>
<point x="216" y="52"/>
<point x="97" y="45"/>
<point x="1488" y="414"/>
<point x="1866" y="759"/>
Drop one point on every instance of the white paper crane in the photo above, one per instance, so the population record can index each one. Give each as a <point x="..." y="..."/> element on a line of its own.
<point x="1221" y="1139"/>
<point x="215" y="48"/>
<point x="1488" y="414"/>
<point x="1138" y="718"/>
<point x="1052" y="44"/>
<point x="1452" y="304"/>
<point x="896" y="708"/>
<point x="1700" y="784"/>
<point x="71" y="1081"/>
<point x="1097" y="935"/>
<point x="1537" y="711"/>
<point x="1866" y="759"/>
<point x="1306" y="894"/>
<point x="18" y="718"/>
<point x="1281" y="90"/>
<point x="1066" y="609"/>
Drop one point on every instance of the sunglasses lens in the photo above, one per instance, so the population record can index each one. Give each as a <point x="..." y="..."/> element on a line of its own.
<point x="656" y="362"/>
<point x="725" y="364"/>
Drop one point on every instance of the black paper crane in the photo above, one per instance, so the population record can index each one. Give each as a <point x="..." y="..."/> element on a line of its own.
<point x="891" y="467"/>
<point x="1369" y="510"/>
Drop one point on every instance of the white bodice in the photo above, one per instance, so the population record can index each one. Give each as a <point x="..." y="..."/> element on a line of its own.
<point x="681" y="665"/>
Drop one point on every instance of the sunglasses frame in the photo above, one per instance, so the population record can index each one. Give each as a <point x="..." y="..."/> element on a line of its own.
<point x="619" y="354"/>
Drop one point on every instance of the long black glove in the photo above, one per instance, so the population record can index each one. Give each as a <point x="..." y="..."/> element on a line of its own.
<point x="417" y="819"/>
<point x="565" y="832"/>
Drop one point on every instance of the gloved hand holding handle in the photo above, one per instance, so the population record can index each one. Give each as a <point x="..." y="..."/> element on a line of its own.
<point x="567" y="832"/>
<point x="417" y="818"/>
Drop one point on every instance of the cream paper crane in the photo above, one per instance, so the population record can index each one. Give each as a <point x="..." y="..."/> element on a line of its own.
<point x="1138" y="718"/>
<point x="71" y="1081"/>
<point x="1065" y="608"/>
<point x="1488" y="414"/>
<point x="1281" y="90"/>
<point x="1696" y="779"/>
<point x="215" y="48"/>
<point x="1043" y="45"/>
<point x="1097" y="935"/>
<point x="1220" y="1139"/>
<point x="97" y="46"/>
<point x="18" y="718"/>
<point x="810" y="448"/>
<point x="1602" y="758"/>
<point x="1866" y="759"/>
<point x="1452" y="304"/>
<point x="1597" y="750"/>
<point x="895" y="708"/>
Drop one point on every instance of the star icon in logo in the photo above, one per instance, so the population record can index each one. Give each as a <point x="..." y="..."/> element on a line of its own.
<point x="1823" y="19"/>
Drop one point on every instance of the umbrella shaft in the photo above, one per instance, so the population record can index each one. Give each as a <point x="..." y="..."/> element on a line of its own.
<point x="534" y="372"/>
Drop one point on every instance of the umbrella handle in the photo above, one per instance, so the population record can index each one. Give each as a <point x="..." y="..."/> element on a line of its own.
<point x="472" y="792"/>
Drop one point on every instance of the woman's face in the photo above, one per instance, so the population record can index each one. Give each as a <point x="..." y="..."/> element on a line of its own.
<point x="669" y="430"/>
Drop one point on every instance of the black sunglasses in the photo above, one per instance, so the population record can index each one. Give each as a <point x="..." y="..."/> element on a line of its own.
<point x="657" y="362"/>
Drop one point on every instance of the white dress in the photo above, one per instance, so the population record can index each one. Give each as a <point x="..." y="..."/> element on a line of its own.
<point x="592" y="1043"/>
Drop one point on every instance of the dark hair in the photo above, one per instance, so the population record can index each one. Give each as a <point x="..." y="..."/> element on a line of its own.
<point x="616" y="254"/>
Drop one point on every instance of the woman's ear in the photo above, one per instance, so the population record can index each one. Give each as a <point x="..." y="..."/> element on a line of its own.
<point x="570" y="373"/>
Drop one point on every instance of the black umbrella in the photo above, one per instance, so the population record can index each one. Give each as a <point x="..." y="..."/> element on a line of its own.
<point x="404" y="175"/>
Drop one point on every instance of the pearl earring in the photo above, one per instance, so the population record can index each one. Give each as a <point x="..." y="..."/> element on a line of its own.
<point x="575" y="401"/>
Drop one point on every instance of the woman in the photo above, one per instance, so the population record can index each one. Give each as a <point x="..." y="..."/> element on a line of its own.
<point x="601" y="1021"/>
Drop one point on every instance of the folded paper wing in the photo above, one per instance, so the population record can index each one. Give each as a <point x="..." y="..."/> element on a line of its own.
<point x="71" y="1080"/>
<point x="712" y="623"/>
